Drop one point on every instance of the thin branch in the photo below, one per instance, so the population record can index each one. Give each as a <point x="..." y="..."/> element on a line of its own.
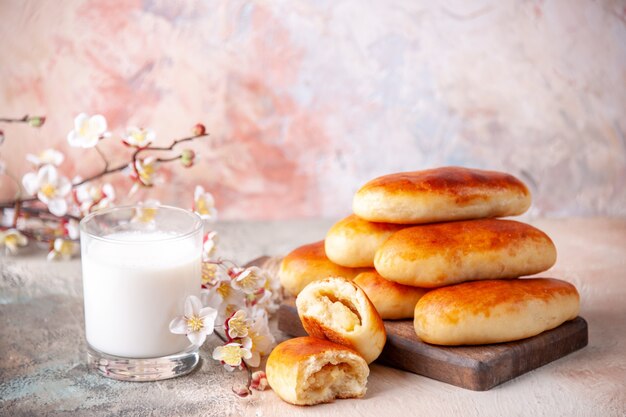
<point x="99" y="175"/>
<point x="173" y="158"/>
<point x="222" y="338"/>
<point x="45" y="212"/>
<point x="245" y="365"/>
<point x="172" y="145"/>
<point x="16" y="213"/>
<point x="104" y="158"/>
<point x="14" y="120"/>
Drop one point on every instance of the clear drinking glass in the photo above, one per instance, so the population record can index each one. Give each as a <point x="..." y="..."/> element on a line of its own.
<point x="139" y="265"/>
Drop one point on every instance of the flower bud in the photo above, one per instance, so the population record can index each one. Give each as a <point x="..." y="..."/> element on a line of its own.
<point x="259" y="381"/>
<point x="199" y="129"/>
<point x="241" y="390"/>
<point x="186" y="157"/>
<point x="36" y="121"/>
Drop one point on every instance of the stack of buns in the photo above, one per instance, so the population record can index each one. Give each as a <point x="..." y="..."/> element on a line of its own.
<point x="429" y="245"/>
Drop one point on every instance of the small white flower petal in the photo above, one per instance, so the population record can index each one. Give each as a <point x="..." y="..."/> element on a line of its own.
<point x="109" y="191"/>
<point x="30" y="183"/>
<point x="90" y="142"/>
<point x="188" y="307"/>
<point x="197" y="338"/>
<point x="21" y="239"/>
<point x="178" y="325"/>
<point x="207" y="312"/>
<point x="254" y="359"/>
<point x="97" y="124"/>
<point x="34" y="159"/>
<point x="246" y="343"/>
<point x="80" y="120"/>
<point x="198" y="192"/>
<point x="57" y="245"/>
<point x="57" y="206"/>
<point x="196" y="304"/>
<point x="48" y="174"/>
<point x="74" y="139"/>
<point x="64" y="186"/>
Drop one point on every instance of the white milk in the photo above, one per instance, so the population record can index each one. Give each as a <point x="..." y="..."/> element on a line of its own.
<point x="133" y="290"/>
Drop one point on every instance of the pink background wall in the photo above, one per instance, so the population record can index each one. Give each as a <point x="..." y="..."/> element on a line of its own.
<point x="306" y="100"/>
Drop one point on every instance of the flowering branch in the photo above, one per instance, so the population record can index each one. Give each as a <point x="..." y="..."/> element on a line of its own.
<point x="34" y="121"/>
<point x="45" y="196"/>
<point x="134" y="159"/>
<point x="244" y="364"/>
<point x="242" y="298"/>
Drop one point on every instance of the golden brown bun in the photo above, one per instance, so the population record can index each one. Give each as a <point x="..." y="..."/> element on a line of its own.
<point x="309" y="263"/>
<point x="494" y="311"/>
<point x="434" y="255"/>
<point x="353" y="241"/>
<point x="337" y="310"/>
<point x="307" y="371"/>
<point x="441" y="194"/>
<point x="392" y="301"/>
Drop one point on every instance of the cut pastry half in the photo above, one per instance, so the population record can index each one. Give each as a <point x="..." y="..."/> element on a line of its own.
<point x="338" y="310"/>
<point x="308" y="371"/>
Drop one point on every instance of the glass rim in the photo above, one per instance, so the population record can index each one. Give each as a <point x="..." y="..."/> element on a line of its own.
<point x="198" y="224"/>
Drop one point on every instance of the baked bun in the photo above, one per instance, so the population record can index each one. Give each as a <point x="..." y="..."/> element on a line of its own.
<point x="393" y="301"/>
<point x="307" y="371"/>
<point x="353" y="241"/>
<point x="338" y="310"/>
<point x="435" y="255"/>
<point x="307" y="264"/>
<point x="441" y="194"/>
<point x="494" y="311"/>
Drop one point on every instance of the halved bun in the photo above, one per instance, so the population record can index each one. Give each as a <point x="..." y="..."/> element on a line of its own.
<point x="307" y="371"/>
<point x="338" y="310"/>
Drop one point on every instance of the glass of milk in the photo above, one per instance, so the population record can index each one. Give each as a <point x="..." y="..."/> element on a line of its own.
<point x="139" y="265"/>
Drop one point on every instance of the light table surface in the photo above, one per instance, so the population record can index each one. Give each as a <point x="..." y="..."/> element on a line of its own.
<point x="43" y="359"/>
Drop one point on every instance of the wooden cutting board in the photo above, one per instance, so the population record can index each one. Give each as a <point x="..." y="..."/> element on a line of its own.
<point x="477" y="368"/>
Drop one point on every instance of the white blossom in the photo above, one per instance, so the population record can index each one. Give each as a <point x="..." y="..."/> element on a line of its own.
<point x="238" y="324"/>
<point x="209" y="245"/>
<point x="91" y="197"/>
<point x="88" y="130"/>
<point x="138" y="137"/>
<point x="145" y="170"/>
<point x="62" y="249"/>
<point x="250" y="280"/>
<point x="233" y="354"/>
<point x="262" y="339"/>
<point x="146" y="211"/>
<point x="197" y="323"/>
<point x="50" y="188"/>
<point x="48" y="156"/>
<point x="224" y="298"/>
<point x="72" y="229"/>
<point x="204" y="204"/>
<point x="12" y="239"/>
